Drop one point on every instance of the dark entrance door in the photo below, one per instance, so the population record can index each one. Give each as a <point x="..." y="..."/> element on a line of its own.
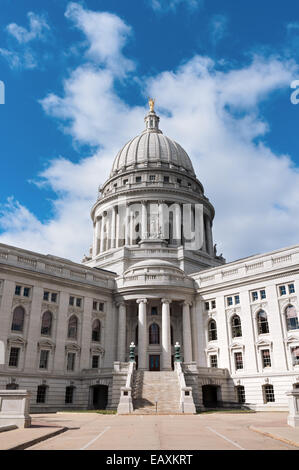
<point x="99" y="397"/>
<point x="154" y="362"/>
<point x="210" y="396"/>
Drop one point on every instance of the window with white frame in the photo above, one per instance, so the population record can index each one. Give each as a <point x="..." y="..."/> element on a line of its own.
<point x="238" y="360"/>
<point x="258" y="295"/>
<point x="75" y="301"/>
<point x="240" y="392"/>
<point x="50" y="296"/>
<point x="268" y="392"/>
<point x="266" y="358"/>
<point x="22" y="291"/>
<point x="291" y="318"/>
<point x="98" y="306"/>
<point x="43" y="359"/>
<point x="212" y="330"/>
<point x="14" y="356"/>
<point x="213" y="360"/>
<point x="286" y="289"/>
<point x="210" y="304"/>
<point x="262" y="322"/>
<point x="232" y="300"/>
<point x="71" y="361"/>
<point x="295" y="355"/>
<point x="236" y="326"/>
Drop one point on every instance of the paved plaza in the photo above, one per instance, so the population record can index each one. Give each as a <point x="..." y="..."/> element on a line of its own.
<point x="214" y="431"/>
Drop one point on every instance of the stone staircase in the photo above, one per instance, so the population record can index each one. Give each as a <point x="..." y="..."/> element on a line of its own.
<point x="149" y="387"/>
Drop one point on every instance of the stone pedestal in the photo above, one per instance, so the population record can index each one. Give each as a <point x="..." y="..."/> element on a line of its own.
<point x="14" y="408"/>
<point x="293" y="417"/>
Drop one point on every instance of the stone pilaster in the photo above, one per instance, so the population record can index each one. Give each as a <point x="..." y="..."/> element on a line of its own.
<point x="187" y="332"/>
<point x="122" y="314"/>
<point x="142" y="334"/>
<point x="166" y="339"/>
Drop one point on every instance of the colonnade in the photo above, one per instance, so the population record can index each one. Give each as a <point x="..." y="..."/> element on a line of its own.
<point x="122" y="353"/>
<point x="130" y="223"/>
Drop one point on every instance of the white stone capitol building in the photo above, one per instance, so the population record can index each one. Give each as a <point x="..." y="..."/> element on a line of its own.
<point x="152" y="278"/>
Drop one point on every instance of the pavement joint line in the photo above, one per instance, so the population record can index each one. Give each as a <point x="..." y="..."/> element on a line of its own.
<point x="273" y="436"/>
<point x="225" y="438"/>
<point x="95" y="438"/>
<point x="39" y="439"/>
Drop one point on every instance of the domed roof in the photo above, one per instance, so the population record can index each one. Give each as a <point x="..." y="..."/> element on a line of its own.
<point x="152" y="149"/>
<point x="154" y="265"/>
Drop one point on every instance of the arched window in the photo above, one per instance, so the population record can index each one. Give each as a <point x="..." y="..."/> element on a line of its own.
<point x="154" y="334"/>
<point x="18" y="319"/>
<point x="72" y="327"/>
<point x="46" y="324"/>
<point x="96" y="331"/>
<point x="291" y="318"/>
<point x="262" y="322"/>
<point x="236" y="326"/>
<point x="212" y="330"/>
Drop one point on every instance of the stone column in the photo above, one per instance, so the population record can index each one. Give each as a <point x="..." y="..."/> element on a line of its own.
<point x="127" y="226"/>
<point x="187" y="332"/>
<point x="132" y="223"/>
<point x="102" y="234"/>
<point x="113" y="228"/>
<point x="209" y="237"/>
<point x="121" y="353"/>
<point x="117" y="235"/>
<point x="143" y="220"/>
<point x="166" y="339"/>
<point x="142" y="334"/>
<point x="108" y="231"/>
<point x="177" y="225"/>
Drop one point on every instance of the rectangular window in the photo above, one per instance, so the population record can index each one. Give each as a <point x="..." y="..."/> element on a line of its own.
<point x="254" y="296"/>
<point x="152" y="177"/>
<point x="138" y="179"/>
<point x="295" y="356"/>
<point x="154" y="310"/>
<point x="229" y="301"/>
<point x="266" y="358"/>
<point x="14" y="357"/>
<point x="263" y="294"/>
<point x="78" y="302"/>
<point x="43" y="360"/>
<point x="95" y="362"/>
<point x="95" y="305"/>
<point x="125" y="181"/>
<point x="207" y="305"/>
<point x="72" y="300"/>
<point x="41" y="394"/>
<point x="101" y="306"/>
<point x="46" y="295"/>
<point x="166" y="179"/>
<point x="213" y="304"/>
<point x="282" y="290"/>
<point x="53" y="297"/>
<point x="239" y="360"/>
<point x="237" y="299"/>
<point x="18" y="290"/>
<point x="71" y="361"/>
<point x="213" y="360"/>
<point x="26" y="292"/>
<point x="291" y="288"/>
<point x="241" y="394"/>
<point x="269" y="393"/>
<point x="179" y="181"/>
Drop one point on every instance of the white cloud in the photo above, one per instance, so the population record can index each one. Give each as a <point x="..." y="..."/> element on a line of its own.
<point x="218" y="28"/>
<point x="166" y="5"/>
<point x="22" y="55"/>
<point x="218" y="121"/>
<point x="106" y="34"/>
<point x="37" y="28"/>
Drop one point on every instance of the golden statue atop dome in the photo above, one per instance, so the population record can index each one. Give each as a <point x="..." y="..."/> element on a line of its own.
<point x="151" y="103"/>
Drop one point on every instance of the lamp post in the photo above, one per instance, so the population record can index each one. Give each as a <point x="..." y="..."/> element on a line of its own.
<point x="132" y="352"/>
<point x="177" y="352"/>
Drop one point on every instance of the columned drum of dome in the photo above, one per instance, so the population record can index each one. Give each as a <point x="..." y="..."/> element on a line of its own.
<point x="152" y="206"/>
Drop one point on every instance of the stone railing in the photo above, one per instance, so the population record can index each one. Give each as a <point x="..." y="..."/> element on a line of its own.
<point x="14" y="408"/>
<point x="125" y="405"/>
<point x="186" y="398"/>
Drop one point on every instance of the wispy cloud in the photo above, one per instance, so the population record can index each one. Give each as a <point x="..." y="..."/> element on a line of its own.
<point x="21" y="54"/>
<point x="218" y="28"/>
<point x="172" y="5"/>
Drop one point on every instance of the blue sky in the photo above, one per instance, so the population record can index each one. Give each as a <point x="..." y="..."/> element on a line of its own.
<point x="77" y="76"/>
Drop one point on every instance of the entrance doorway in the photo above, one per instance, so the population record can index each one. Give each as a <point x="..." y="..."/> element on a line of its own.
<point x="99" y="397"/>
<point x="211" y="395"/>
<point x="154" y="362"/>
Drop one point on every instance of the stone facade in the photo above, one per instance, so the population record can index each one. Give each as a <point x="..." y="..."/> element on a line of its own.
<point x="67" y="327"/>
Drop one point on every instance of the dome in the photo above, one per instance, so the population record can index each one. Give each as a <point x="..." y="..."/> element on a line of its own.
<point x="152" y="149"/>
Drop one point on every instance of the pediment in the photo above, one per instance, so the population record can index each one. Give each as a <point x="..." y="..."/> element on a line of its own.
<point x="16" y="340"/>
<point x="46" y="344"/>
<point x="237" y="346"/>
<point x="264" y="342"/>
<point x="292" y="339"/>
<point x="72" y="347"/>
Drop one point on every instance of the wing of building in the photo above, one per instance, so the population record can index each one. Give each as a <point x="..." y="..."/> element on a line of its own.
<point x="205" y="332"/>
